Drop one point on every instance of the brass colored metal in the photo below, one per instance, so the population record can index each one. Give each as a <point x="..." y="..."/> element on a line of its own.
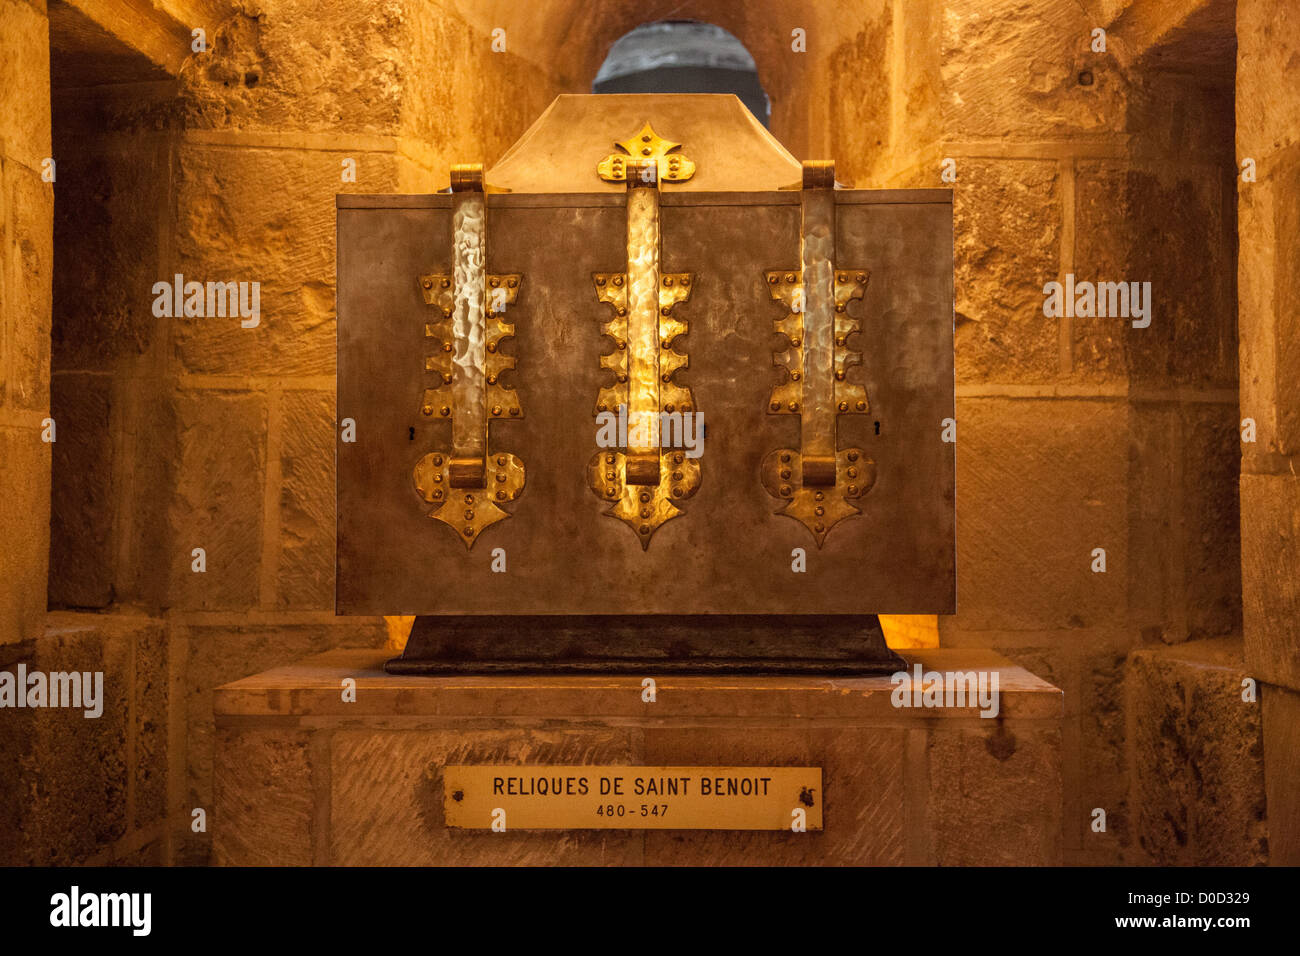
<point x="465" y="361"/>
<point x="646" y="146"/>
<point x="818" y="481"/>
<point x="642" y="487"/>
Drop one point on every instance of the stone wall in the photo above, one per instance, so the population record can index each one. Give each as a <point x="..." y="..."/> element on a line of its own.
<point x="1268" y="133"/>
<point x="26" y="267"/>
<point x="1081" y="433"/>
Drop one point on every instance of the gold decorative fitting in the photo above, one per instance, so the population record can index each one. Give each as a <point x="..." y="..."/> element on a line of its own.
<point x="646" y="146"/>
<point x="818" y="481"/>
<point x="644" y="480"/>
<point x="467" y="485"/>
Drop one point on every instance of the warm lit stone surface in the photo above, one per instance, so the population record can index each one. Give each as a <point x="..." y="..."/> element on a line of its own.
<point x="82" y="776"/>
<point x="902" y="786"/>
<point x="1197" y="757"/>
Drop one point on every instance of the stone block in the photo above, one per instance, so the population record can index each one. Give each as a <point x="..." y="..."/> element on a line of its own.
<point x="307" y="443"/>
<point x="1042" y="42"/>
<point x="1007" y="224"/>
<point x="25" y="529"/>
<point x="79" y="776"/>
<point x="27" y="209"/>
<point x="1041" y="483"/>
<point x="347" y="73"/>
<point x="25" y="79"/>
<point x="1103" y="239"/>
<point x="112" y="196"/>
<point x="266" y="216"/>
<point x="1270" y="557"/>
<point x="1281" y="709"/>
<point x="83" y="500"/>
<point x="1197" y="756"/>
<point x="995" y="797"/>
<point x="263" y="800"/>
<point x="217" y="501"/>
<point x="1268" y="45"/>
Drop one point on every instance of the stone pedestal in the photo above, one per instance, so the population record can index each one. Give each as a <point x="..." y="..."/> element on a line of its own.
<point x="304" y="777"/>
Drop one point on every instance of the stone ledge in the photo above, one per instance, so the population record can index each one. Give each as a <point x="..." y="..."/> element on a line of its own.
<point x="312" y="688"/>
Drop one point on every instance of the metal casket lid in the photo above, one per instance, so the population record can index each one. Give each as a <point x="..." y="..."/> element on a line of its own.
<point x="560" y="151"/>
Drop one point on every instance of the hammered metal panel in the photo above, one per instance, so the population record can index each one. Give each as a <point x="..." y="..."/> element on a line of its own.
<point x="733" y="553"/>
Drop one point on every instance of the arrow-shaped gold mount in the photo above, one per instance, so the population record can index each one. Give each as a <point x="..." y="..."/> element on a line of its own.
<point x="645" y="481"/>
<point x="819" y="481"/>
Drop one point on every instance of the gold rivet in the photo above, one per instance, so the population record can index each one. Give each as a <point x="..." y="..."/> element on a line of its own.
<point x="501" y="461"/>
<point x="852" y="473"/>
<point x="444" y="410"/>
<point x="437" y="492"/>
<point x="773" y="279"/>
<point x="602" y="407"/>
<point x="794" y="406"/>
<point x="785" y="491"/>
<point x="469" y="515"/>
<point x="609" y="459"/>
<point x="820" y="527"/>
<point x="677" y="476"/>
<point x="668" y="280"/>
<point x="427" y="409"/>
<point x="446" y="346"/>
<point x="677" y="458"/>
<point x="600" y="280"/>
<point x="501" y="478"/>
<point x="819" y="496"/>
<point x="622" y="345"/>
<point x="501" y="496"/>
<point x="469" y="532"/>
<point x="446" y="376"/>
<point x="862" y="406"/>
<point x="796" y="342"/>
<point x="785" y="473"/>
<point x="844" y="406"/>
<point x="668" y="407"/>
<point x="618" y="280"/>
<point x="446" y="283"/>
<point x="495" y="282"/>
<point x="645" y="496"/>
<point x="492" y="347"/>
<point x="839" y="376"/>
<point x="437" y="460"/>
<point x="677" y="492"/>
<point x="841" y="277"/>
<point x="496" y="409"/>
<point x="492" y="379"/>
<point x="609" y="476"/>
<point x="853" y="489"/>
<point x="667" y="376"/>
<point x="839" y="307"/>
<point x="819" y="511"/>
<point x="795" y="376"/>
<point x="514" y="411"/>
<point x="427" y="283"/>
<point x="789" y="277"/>
<point x="512" y="282"/>
<point x="862" y="277"/>
<point x="646" y="512"/>
<point x="853" y="456"/>
<point x="776" y="406"/>
<point x="645" y="529"/>
<point x="437" y="479"/>
<point x="469" y="499"/>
